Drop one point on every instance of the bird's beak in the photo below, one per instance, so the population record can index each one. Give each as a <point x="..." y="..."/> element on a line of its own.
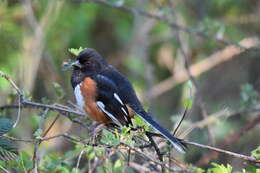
<point x="71" y="64"/>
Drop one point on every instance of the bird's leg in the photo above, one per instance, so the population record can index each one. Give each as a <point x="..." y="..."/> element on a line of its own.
<point x="158" y="152"/>
<point x="96" y="130"/>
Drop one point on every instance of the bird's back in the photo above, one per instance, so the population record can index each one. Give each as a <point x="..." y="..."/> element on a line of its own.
<point x="126" y="91"/>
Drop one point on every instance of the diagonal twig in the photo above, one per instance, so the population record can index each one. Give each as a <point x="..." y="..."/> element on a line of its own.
<point x="164" y="20"/>
<point x="36" y="157"/>
<point x="204" y="65"/>
<point x="230" y="139"/>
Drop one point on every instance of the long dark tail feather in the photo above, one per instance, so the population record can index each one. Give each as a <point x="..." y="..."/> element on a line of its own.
<point x="177" y="143"/>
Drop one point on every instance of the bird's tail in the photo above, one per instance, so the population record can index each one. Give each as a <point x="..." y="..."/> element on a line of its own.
<point x="177" y="143"/>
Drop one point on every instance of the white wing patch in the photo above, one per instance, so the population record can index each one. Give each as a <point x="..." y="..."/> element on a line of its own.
<point x="122" y="108"/>
<point x="118" y="98"/>
<point x="79" y="97"/>
<point x="124" y="111"/>
<point x="102" y="107"/>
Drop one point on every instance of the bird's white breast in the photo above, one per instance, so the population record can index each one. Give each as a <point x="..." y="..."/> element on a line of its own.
<point x="79" y="97"/>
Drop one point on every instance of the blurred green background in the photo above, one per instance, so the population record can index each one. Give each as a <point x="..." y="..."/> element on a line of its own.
<point x="35" y="37"/>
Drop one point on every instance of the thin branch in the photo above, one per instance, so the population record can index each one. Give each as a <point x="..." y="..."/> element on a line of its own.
<point x="215" y="117"/>
<point x="180" y="164"/>
<point x="190" y="75"/>
<point x="158" y="152"/>
<point x="209" y="120"/>
<point x="205" y="65"/>
<point x="19" y="111"/>
<point x="65" y="135"/>
<point x="29" y="104"/>
<point x="138" y="167"/>
<point x="240" y="156"/>
<point x="23" y="102"/>
<point x="29" y="15"/>
<point x="63" y="111"/>
<point x="147" y="157"/>
<point x="231" y="139"/>
<point x="236" y="155"/>
<point x="49" y="128"/>
<point x="36" y="157"/>
<point x="20" y="96"/>
<point x="181" y="120"/>
<point x="128" y="156"/>
<point x="136" y="11"/>
<point x="5" y="170"/>
<point x="78" y="161"/>
<point x="19" y="140"/>
<point x="6" y="77"/>
<point x="244" y="157"/>
<point x="34" y="43"/>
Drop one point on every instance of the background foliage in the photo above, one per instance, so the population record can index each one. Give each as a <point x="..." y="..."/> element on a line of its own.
<point x="223" y="102"/>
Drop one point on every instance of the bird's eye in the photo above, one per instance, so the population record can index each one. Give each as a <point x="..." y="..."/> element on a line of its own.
<point x="87" y="62"/>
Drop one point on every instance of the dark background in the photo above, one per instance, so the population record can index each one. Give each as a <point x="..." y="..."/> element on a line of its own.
<point x="35" y="38"/>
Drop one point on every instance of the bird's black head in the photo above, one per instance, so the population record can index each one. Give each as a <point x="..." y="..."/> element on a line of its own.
<point x="89" y="61"/>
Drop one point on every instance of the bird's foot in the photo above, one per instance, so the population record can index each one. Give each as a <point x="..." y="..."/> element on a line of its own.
<point x="95" y="132"/>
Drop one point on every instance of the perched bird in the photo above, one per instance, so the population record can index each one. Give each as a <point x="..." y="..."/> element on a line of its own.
<point x="107" y="96"/>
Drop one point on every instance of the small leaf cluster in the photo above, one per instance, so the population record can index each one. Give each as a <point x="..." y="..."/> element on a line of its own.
<point x="256" y="153"/>
<point x="249" y="96"/>
<point x="220" y="168"/>
<point x="8" y="150"/>
<point x="76" y="51"/>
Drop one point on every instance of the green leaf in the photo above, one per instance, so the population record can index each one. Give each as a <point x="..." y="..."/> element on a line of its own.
<point x="76" y="51"/>
<point x="139" y="122"/>
<point x="199" y="170"/>
<point x="5" y="126"/>
<point x="63" y="168"/>
<point x="59" y="90"/>
<point x="71" y="154"/>
<point x="101" y="170"/>
<point x="118" y="165"/>
<point x="45" y="100"/>
<point x="99" y="151"/>
<point x="126" y="136"/>
<point x="50" y="162"/>
<point x="249" y="96"/>
<point x="24" y="161"/>
<point x="91" y="156"/>
<point x="89" y="149"/>
<point x="8" y="150"/>
<point x="220" y="168"/>
<point x="38" y="133"/>
<point x="109" y="138"/>
<point x="125" y="131"/>
<point x="187" y="103"/>
<point x="75" y="170"/>
<point x="189" y="84"/>
<point x="256" y="153"/>
<point x="251" y="169"/>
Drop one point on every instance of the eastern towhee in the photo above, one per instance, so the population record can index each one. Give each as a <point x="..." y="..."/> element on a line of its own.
<point x="107" y="96"/>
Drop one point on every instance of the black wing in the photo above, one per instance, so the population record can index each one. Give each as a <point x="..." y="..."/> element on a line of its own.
<point x="109" y="101"/>
<point x="127" y="93"/>
<point x="125" y="89"/>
